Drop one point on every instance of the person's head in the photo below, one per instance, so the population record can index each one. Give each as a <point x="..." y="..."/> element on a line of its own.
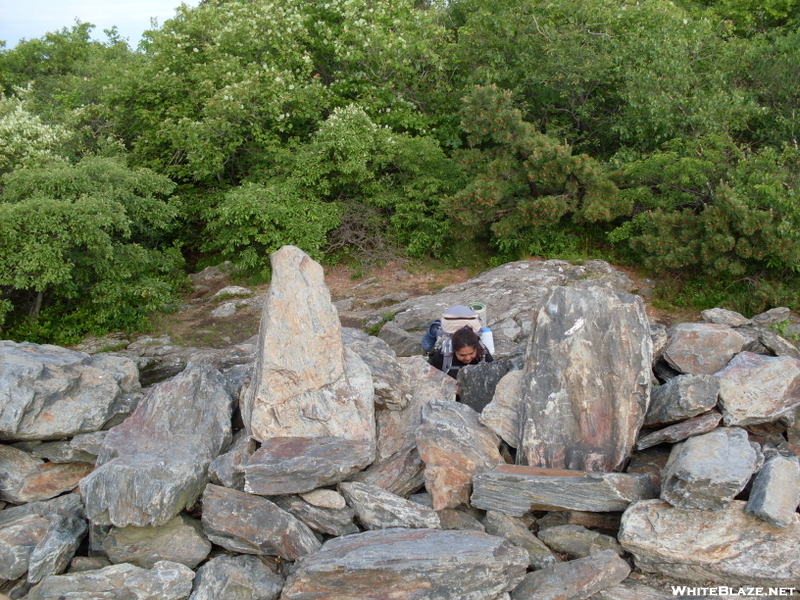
<point x="466" y="345"/>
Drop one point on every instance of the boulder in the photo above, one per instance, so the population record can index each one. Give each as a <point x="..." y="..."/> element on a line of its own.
<point x="702" y="348"/>
<point x="330" y="521"/>
<point x="727" y="545"/>
<point x="515" y="531"/>
<point x="155" y="464"/>
<point x="477" y="383"/>
<point x="776" y="492"/>
<point x="378" y="509"/>
<point x="306" y="383"/>
<point x="26" y="478"/>
<point x="587" y="380"/>
<point x="410" y="564"/>
<point x="722" y="316"/>
<point x="47" y="392"/>
<point x="502" y="414"/>
<point x="577" y="541"/>
<point x="681" y="398"/>
<point x="236" y="578"/>
<point x="680" y="431"/>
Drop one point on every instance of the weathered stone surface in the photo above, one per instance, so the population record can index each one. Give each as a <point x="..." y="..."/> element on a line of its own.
<point x="236" y="578"/>
<point x="180" y="540"/>
<point x="457" y="518"/>
<point x="65" y="452"/>
<point x="155" y="464"/>
<point x="681" y="431"/>
<point x="228" y="469"/>
<point x="772" y="316"/>
<point x="165" y="581"/>
<point x="47" y="392"/>
<point x="56" y="549"/>
<point x="776" y="492"/>
<point x="513" y="292"/>
<point x="411" y="564"/>
<point x="393" y="389"/>
<point x="707" y="471"/>
<point x="294" y="465"/>
<point x="402" y="474"/>
<point x="722" y="316"/>
<point x="332" y="521"/>
<point x="403" y="343"/>
<point x="25" y="478"/>
<point x="305" y="382"/>
<point x="454" y="447"/>
<point x="728" y="545"/>
<point x="477" y="383"/>
<point x="88" y="563"/>
<point x="758" y="389"/>
<point x="587" y="382"/>
<point x="253" y="525"/>
<point x="515" y="531"/>
<point x="502" y="414"/>
<point x="680" y="398"/>
<point x="19" y="538"/>
<point x="324" y="498"/>
<point x="578" y="541"/>
<point x="573" y="580"/>
<point x="702" y="348"/>
<point x="378" y="509"/>
<point x="778" y="345"/>
<point x="514" y="490"/>
<point x="603" y="521"/>
<point x="632" y="590"/>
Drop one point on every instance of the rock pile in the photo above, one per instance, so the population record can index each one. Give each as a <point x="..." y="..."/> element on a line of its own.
<point x="316" y="464"/>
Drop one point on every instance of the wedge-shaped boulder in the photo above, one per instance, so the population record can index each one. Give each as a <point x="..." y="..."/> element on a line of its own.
<point x="165" y="581"/>
<point x="577" y="541"/>
<point x="228" y="469"/>
<point x="236" y="578"/>
<point x="727" y="545"/>
<point x="682" y="397"/>
<point x="776" y="491"/>
<point x="758" y="389"/>
<point x="587" y="380"/>
<point x="702" y="348"/>
<point x="515" y="490"/>
<point x="378" y="509"/>
<point x="47" y="392"/>
<point x="409" y="563"/>
<point x="516" y="532"/>
<point x="56" y="549"/>
<point x="332" y="521"/>
<point x="393" y="388"/>
<point x="155" y="463"/>
<point x="454" y="447"/>
<point x="573" y="580"/>
<point x="708" y="471"/>
<point x="27" y="479"/>
<point x="296" y="465"/>
<point x="502" y="414"/>
<point x="254" y="525"/>
<point x="305" y="382"/>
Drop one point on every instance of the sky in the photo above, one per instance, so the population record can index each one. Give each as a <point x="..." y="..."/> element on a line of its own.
<point x="33" y="18"/>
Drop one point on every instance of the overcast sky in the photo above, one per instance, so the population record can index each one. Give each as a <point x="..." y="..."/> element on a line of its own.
<point x="33" y="18"/>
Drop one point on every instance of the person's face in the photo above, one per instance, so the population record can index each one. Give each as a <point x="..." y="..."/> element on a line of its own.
<point x="467" y="355"/>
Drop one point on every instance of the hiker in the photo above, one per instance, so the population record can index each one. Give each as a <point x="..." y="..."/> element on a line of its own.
<point x="467" y="349"/>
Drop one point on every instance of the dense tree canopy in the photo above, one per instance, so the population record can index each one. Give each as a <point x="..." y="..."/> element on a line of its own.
<point x="666" y="132"/>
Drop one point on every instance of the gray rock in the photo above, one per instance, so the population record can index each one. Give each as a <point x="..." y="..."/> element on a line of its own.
<point x="47" y="392"/>
<point x="306" y="383"/>
<point x="228" y="469"/>
<point x="402" y="473"/>
<point x="477" y="383"/>
<point x="702" y="348"/>
<point x="578" y="541"/>
<point x="88" y="563"/>
<point x="502" y="414"/>
<point x="233" y="290"/>
<point x="758" y="389"/>
<point x="632" y="590"/>
<point x="67" y="451"/>
<point x="155" y="464"/>
<point x="680" y="398"/>
<point x="409" y="563"/>
<point x="722" y="316"/>
<point x="402" y="342"/>
<point x="516" y="532"/>
<point x="325" y="498"/>
<point x="330" y="521"/>
<point x="680" y="431"/>
<point x="26" y="478"/>
<point x="17" y="542"/>
<point x="772" y="316"/>
<point x="165" y="581"/>
<point x="778" y="345"/>
<point x="454" y="447"/>
<point x="226" y="309"/>
<point x="573" y="580"/>
<point x="388" y="299"/>
<point x="707" y="471"/>
<point x="459" y="518"/>
<point x="251" y="524"/>
<point x="729" y="545"/>
<point x="776" y="492"/>
<point x="515" y="490"/>
<point x="391" y="383"/>
<point x="292" y="465"/>
<point x="56" y="549"/>
<point x="180" y="540"/>
<point x="378" y="509"/>
<point x="236" y="578"/>
<point x="587" y="380"/>
<point x="608" y="522"/>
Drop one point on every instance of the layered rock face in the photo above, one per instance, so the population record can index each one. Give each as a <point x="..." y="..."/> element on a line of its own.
<point x="318" y="465"/>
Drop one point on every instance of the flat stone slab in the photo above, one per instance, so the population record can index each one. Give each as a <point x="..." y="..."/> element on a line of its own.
<point x="680" y="431"/>
<point x="515" y="490"/>
<point x="378" y="509"/>
<point x="236" y="578"/>
<point x="702" y="348"/>
<point x="728" y="545"/>
<point x="680" y="398"/>
<point x="409" y="563"/>
<point x="293" y="465"/>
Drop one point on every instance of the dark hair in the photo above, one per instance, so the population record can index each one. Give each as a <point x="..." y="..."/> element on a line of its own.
<point x="466" y="338"/>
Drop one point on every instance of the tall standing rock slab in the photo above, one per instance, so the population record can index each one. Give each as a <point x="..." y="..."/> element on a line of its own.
<point x="412" y="564"/>
<point x="587" y="382"/>
<point x="728" y="546"/>
<point x="305" y="382"/>
<point x="155" y="463"/>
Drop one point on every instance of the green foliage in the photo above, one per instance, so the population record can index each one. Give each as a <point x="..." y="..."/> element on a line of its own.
<point x="523" y="182"/>
<point x="711" y="206"/>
